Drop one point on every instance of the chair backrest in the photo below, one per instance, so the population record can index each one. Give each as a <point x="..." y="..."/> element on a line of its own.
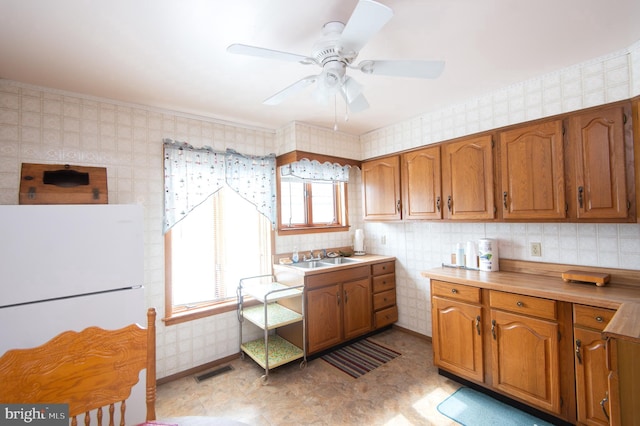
<point x="88" y="370"/>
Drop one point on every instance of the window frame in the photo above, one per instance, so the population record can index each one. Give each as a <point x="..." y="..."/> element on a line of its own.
<point x="341" y="210"/>
<point x="199" y="310"/>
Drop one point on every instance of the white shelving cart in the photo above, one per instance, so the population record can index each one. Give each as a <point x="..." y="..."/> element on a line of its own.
<point x="271" y="350"/>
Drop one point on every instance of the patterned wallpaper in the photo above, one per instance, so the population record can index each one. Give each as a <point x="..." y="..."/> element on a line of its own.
<point x="49" y="126"/>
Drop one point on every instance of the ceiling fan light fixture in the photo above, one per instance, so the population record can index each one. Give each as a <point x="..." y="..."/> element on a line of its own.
<point x="352" y="89"/>
<point x="333" y="76"/>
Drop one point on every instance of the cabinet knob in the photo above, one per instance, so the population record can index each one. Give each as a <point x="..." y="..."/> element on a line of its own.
<point x="520" y="304"/>
<point x="454" y="291"/>
<point x="599" y="318"/>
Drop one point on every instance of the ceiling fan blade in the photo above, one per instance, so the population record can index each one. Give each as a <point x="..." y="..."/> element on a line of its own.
<point x="296" y="87"/>
<point x="366" y="20"/>
<point x="243" y="49"/>
<point x="403" y="68"/>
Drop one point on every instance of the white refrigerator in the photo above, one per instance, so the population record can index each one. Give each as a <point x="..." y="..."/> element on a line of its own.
<point x="69" y="267"/>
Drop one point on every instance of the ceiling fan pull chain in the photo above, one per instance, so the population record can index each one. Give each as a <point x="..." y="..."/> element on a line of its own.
<point x="346" y="112"/>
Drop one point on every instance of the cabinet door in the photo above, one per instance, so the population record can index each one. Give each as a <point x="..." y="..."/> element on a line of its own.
<point x="357" y="308"/>
<point x="324" y="317"/>
<point x="525" y="359"/>
<point x="381" y="188"/>
<point x="467" y="179"/>
<point x="457" y="338"/>
<point x="598" y="141"/>
<point x="421" y="187"/>
<point x="591" y="377"/>
<point x="532" y="172"/>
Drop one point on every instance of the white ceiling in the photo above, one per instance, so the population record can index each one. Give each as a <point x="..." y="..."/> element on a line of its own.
<point x="171" y="54"/>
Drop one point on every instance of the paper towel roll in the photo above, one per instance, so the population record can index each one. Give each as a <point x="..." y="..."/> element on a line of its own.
<point x="488" y="255"/>
<point x="358" y="242"/>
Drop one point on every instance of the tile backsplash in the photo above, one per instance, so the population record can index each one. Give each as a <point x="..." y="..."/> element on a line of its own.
<point x="40" y="125"/>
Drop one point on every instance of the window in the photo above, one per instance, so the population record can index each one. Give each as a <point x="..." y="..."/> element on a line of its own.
<point x="217" y="243"/>
<point x="307" y="205"/>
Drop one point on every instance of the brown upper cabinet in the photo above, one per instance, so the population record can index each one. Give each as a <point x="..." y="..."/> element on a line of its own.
<point x="577" y="167"/>
<point x="381" y="189"/>
<point x="636" y="150"/>
<point x="599" y="164"/>
<point x="421" y="185"/>
<point x="532" y="172"/>
<point x="467" y="179"/>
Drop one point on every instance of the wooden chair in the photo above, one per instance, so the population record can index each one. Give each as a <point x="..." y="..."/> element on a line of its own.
<point x="88" y="370"/>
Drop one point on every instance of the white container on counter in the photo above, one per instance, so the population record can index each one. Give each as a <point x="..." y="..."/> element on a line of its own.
<point x="358" y="242"/>
<point x="488" y="255"/>
<point x="471" y="255"/>
<point x="459" y="254"/>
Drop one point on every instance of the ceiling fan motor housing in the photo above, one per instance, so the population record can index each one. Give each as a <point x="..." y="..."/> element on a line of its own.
<point x="328" y="48"/>
<point x="327" y="53"/>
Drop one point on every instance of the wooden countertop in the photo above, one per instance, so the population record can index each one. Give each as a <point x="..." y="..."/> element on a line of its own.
<point x="367" y="259"/>
<point x="622" y="294"/>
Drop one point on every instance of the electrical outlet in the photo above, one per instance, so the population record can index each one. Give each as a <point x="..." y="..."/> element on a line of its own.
<point x="383" y="240"/>
<point x="536" y="249"/>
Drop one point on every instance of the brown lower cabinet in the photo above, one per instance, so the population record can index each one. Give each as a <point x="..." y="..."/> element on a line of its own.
<point x="516" y="345"/>
<point x="457" y="335"/>
<point x="345" y="304"/>
<point x="338" y="312"/>
<point x="592" y="367"/>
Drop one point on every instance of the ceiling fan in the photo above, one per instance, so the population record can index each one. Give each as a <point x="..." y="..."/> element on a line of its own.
<point x="337" y="50"/>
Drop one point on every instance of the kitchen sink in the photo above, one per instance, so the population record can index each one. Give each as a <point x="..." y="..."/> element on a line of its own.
<point x="338" y="260"/>
<point x="323" y="263"/>
<point x="310" y="264"/>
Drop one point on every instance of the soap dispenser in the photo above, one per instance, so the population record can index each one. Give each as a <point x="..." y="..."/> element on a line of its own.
<point x="295" y="257"/>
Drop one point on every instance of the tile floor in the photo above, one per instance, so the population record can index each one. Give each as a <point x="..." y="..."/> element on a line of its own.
<point x="405" y="391"/>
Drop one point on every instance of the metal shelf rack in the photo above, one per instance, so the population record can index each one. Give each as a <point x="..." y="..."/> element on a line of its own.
<point x="272" y="350"/>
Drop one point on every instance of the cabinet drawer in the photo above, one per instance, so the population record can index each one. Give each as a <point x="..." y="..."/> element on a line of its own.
<point x="528" y="305"/>
<point x="383" y="268"/>
<point x="455" y="291"/>
<point x="341" y="276"/>
<point x="384" y="282"/>
<point x="386" y="317"/>
<point x="592" y="317"/>
<point x="384" y="299"/>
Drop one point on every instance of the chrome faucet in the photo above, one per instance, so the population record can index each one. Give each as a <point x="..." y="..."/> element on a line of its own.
<point x="321" y="255"/>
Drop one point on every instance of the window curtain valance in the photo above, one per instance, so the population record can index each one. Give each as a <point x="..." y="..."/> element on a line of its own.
<point x="314" y="170"/>
<point x="191" y="175"/>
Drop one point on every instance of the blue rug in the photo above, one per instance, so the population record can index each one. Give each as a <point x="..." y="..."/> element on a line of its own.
<point x="472" y="408"/>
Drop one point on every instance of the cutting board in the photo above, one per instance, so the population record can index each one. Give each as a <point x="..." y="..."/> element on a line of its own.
<point x="596" y="278"/>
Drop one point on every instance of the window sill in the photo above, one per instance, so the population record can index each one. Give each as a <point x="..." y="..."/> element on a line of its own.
<point x="312" y="230"/>
<point x="203" y="312"/>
